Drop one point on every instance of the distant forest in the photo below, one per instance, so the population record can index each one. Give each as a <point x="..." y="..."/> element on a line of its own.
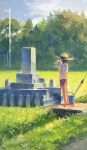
<point x="61" y="32"/>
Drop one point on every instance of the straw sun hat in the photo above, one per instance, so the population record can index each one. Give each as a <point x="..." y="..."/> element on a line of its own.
<point x="65" y="56"/>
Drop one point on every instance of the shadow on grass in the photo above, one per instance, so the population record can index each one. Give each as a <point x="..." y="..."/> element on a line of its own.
<point x="40" y="121"/>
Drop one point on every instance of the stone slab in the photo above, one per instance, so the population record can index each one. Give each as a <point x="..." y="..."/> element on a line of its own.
<point x="22" y="86"/>
<point x="41" y="80"/>
<point x="28" y="60"/>
<point x="27" y="78"/>
<point x="54" y="90"/>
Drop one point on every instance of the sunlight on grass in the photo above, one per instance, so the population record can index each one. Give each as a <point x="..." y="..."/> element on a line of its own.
<point x="47" y="133"/>
<point x="74" y="80"/>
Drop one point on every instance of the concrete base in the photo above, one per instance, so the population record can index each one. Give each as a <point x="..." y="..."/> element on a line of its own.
<point x="19" y="97"/>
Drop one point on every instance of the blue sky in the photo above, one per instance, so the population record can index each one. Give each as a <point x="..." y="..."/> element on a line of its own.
<point x="36" y="9"/>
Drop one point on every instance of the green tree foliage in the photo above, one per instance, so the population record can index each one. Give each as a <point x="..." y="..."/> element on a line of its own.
<point x="4" y="30"/>
<point x="4" y="36"/>
<point x="4" y="26"/>
<point x="61" y="32"/>
<point x="65" y="32"/>
<point x="27" y="28"/>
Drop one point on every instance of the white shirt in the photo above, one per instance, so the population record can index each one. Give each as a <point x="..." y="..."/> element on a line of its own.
<point x="63" y="69"/>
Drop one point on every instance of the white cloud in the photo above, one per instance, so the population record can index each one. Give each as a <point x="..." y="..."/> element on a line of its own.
<point x="84" y="1"/>
<point x="36" y="9"/>
<point x="39" y="8"/>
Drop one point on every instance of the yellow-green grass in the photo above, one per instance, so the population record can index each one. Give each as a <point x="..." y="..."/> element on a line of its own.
<point x="74" y="79"/>
<point x="44" y="130"/>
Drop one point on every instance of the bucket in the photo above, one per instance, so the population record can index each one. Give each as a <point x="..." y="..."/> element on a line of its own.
<point x="72" y="99"/>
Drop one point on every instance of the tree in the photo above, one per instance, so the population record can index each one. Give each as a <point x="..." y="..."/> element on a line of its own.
<point x="27" y="28"/>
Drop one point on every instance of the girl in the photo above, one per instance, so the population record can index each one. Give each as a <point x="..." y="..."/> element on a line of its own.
<point x="62" y="64"/>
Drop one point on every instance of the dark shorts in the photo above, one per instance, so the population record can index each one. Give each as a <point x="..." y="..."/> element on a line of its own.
<point x="63" y="81"/>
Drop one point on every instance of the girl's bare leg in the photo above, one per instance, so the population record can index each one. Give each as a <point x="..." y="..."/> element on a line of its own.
<point x="64" y="92"/>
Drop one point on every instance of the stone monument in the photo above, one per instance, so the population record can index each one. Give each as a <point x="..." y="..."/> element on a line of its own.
<point x="29" y="88"/>
<point x="28" y="78"/>
<point x="28" y="60"/>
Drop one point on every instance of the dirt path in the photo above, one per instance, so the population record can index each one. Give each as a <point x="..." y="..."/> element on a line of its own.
<point x="80" y="144"/>
<point x="77" y="106"/>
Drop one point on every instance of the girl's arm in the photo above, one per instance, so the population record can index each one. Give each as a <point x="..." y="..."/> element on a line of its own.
<point x="58" y="64"/>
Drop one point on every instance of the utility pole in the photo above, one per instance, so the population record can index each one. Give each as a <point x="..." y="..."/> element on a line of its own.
<point x="9" y="54"/>
<point x="9" y="51"/>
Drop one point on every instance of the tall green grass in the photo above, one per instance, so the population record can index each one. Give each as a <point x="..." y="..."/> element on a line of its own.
<point x="20" y="120"/>
<point x="44" y="130"/>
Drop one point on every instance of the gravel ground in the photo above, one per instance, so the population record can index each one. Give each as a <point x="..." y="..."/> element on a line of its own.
<point x="79" y="144"/>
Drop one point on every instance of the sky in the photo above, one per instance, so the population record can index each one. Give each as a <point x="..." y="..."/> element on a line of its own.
<point x="37" y="9"/>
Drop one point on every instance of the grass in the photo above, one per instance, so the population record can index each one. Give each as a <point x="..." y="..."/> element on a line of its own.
<point x="20" y="120"/>
<point x="82" y="99"/>
<point x="34" y="129"/>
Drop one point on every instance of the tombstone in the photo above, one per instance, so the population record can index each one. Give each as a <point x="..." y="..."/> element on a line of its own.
<point x="28" y="66"/>
<point x="41" y="80"/>
<point x="16" y="100"/>
<point x="28" y="60"/>
<point x="44" y="85"/>
<point x="1" y="98"/>
<point x="51" y="83"/>
<point x="24" y="101"/>
<point x="20" y="100"/>
<point x="37" y="99"/>
<point x="28" y="100"/>
<point x="32" y="97"/>
<point x="7" y="83"/>
<point x="8" y="99"/>
<point x="4" y="99"/>
<point x="12" y="100"/>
